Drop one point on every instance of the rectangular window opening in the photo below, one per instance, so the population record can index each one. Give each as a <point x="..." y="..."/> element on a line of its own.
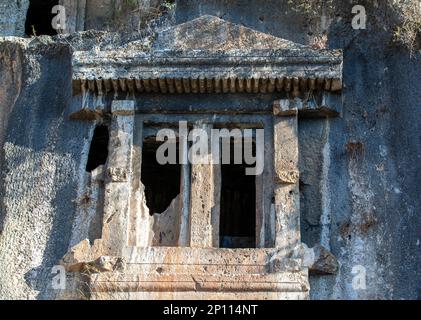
<point x="161" y="181"/>
<point x="237" y="205"/>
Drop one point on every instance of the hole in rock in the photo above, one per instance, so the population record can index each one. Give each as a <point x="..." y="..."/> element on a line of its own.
<point x="98" y="152"/>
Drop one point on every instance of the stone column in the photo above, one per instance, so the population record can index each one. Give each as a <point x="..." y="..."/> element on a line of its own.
<point x="287" y="197"/>
<point x="184" y="235"/>
<point x="137" y="235"/>
<point x="215" y="211"/>
<point x="115" y="232"/>
<point x="202" y="198"/>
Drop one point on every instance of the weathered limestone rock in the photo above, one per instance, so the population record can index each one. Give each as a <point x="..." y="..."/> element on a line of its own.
<point x="11" y="60"/>
<point x="90" y="207"/>
<point x="241" y="68"/>
<point x="287" y="208"/>
<point x="322" y="105"/>
<point x="184" y="234"/>
<point x="202" y="200"/>
<point x="40" y="156"/>
<point x="166" y="226"/>
<point x="115" y="233"/>
<point x="324" y="261"/>
<point x="141" y="222"/>
<point x="287" y="197"/>
<point x="318" y="259"/>
<point x="231" y="36"/>
<point x="176" y="253"/>
<point x="77" y="256"/>
<point x="12" y="17"/>
<point x="43" y="155"/>
<point x="197" y="273"/>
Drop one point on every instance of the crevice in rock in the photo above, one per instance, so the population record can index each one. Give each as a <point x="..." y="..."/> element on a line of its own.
<point x="98" y="152"/>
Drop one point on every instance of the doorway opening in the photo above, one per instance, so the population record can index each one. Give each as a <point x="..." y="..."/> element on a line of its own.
<point x="237" y="206"/>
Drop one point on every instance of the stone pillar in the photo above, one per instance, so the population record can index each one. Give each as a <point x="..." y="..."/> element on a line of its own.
<point x="216" y="212"/>
<point x="184" y="235"/>
<point x="260" y="209"/>
<point x="115" y="232"/>
<point x="136" y="236"/>
<point x="287" y="197"/>
<point x="202" y="197"/>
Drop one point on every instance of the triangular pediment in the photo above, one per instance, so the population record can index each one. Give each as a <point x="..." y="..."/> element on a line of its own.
<point x="207" y="55"/>
<point x="212" y="33"/>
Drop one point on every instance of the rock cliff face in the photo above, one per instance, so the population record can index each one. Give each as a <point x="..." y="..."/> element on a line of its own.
<point x="360" y="172"/>
<point x="40" y="163"/>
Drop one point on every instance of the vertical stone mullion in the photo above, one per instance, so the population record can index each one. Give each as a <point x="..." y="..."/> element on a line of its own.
<point x="115" y="234"/>
<point x="184" y="236"/>
<point x="267" y="238"/>
<point x="260" y="209"/>
<point x="216" y="210"/>
<point x="135" y="236"/>
<point x="202" y="198"/>
<point x="287" y="197"/>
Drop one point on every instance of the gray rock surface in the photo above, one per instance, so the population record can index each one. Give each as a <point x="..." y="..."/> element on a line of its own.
<point x="43" y="155"/>
<point x="12" y="17"/>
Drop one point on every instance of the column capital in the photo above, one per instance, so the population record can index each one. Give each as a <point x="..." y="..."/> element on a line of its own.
<point x="123" y="107"/>
<point x="286" y="107"/>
